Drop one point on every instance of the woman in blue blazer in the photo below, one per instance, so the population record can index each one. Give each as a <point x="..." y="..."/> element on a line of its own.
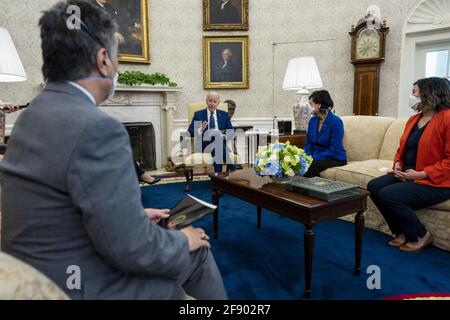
<point x="324" y="136"/>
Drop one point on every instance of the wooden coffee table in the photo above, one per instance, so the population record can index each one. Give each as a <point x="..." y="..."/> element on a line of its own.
<point x="306" y="210"/>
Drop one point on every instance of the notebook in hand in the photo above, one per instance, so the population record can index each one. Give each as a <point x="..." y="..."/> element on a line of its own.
<point x="186" y="211"/>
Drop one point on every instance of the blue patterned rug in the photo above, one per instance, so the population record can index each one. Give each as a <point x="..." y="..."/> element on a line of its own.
<point x="267" y="263"/>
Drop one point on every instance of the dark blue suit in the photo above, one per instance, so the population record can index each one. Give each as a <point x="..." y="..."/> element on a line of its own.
<point x="224" y="124"/>
<point x="326" y="146"/>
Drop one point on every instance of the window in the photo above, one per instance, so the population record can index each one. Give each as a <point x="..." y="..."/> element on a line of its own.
<point x="433" y="60"/>
<point x="437" y="64"/>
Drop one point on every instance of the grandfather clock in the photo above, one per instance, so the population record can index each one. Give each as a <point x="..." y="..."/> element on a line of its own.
<point x="368" y="50"/>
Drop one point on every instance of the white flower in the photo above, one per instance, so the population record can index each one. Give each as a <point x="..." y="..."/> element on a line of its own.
<point x="290" y="172"/>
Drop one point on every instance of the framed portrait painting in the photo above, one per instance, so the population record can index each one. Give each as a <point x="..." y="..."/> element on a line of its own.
<point x="225" y="62"/>
<point x="225" y="15"/>
<point x="133" y="34"/>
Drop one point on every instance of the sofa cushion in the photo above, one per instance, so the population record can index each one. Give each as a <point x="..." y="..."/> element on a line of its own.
<point x="20" y="281"/>
<point x="443" y="206"/>
<point x="392" y="139"/>
<point x="329" y="173"/>
<point x="361" y="172"/>
<point x="364" y="136"/>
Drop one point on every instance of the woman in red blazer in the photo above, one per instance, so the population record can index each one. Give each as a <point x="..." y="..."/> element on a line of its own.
<point x="421" y="174"/>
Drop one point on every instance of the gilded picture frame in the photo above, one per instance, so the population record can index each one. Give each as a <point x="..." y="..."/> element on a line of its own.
<point x="225" y="62"/>
<point x="132" y="17"/>
<point x="225" y="15"/>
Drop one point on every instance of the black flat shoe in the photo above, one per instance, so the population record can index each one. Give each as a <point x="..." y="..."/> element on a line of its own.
<point x="155" y="181"/>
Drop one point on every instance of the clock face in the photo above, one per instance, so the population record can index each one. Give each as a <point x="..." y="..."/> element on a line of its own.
<point x="368" y="44"/>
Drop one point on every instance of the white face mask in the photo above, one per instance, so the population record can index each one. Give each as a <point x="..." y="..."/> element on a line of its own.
<point x="413" y="102"/>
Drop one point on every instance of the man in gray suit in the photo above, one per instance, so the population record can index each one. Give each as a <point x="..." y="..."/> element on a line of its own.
<point x="71" y="205"/>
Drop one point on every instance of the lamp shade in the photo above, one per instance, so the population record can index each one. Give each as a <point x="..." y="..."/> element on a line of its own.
<point x="11" y="68"/>
<point x="302" y="73"/>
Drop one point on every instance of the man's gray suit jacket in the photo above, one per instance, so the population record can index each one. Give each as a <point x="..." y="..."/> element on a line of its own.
<point x="71" y="202"/>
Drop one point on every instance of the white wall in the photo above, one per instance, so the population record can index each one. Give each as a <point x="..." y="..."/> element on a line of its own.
<point x="301" y="27"/>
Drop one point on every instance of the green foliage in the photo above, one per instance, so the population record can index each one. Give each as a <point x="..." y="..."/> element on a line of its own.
<point x="132" y="78"/>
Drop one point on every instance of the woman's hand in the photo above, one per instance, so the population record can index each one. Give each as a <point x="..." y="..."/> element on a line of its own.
<point x="155" y="215"/>
<point x="397" y="168"/>
<point x="411" y="175"/>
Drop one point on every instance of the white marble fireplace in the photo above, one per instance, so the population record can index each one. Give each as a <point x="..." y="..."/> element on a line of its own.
<point x="147" y="104"/>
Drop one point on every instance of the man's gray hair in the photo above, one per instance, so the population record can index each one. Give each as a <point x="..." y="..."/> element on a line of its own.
<point x="71" y="53"/>
<point x="229" y="51"/>
<point x="213" y="93"/>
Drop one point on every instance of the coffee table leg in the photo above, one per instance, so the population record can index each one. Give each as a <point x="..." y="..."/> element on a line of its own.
<point x="309" y="245"/>
<point x="359" y="229"/>
<point x="258" y="209"/>
<point x="215" y="201"/>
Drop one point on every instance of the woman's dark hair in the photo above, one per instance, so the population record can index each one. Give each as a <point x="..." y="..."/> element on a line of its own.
<point x="323" y="98"/>
<point x="447" y="81"/>
<point x="434" y="94"/>
<point x="70" y="42"/>
<point x="230" y="102"/>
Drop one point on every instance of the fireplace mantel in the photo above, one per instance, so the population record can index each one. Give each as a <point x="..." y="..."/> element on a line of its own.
<point x="155" y="104"/>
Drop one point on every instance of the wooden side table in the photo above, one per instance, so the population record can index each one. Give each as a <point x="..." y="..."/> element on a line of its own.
<point x="298" y="140"/>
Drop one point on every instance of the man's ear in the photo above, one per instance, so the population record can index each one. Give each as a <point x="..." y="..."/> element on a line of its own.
<point x="102" y="62"/>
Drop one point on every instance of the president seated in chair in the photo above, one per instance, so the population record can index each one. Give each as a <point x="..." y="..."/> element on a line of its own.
<point x="211" y="128"/>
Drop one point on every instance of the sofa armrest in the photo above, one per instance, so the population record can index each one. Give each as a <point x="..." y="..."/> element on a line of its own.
<point x="20" y="281"/>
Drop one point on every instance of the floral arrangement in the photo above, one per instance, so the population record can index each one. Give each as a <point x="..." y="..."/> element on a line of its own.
<point x="282" y="160"/>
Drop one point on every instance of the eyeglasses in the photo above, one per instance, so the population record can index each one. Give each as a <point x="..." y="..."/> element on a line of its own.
<point x="90" y="33"/>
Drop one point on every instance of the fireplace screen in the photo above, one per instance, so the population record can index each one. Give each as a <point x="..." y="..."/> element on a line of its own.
<point x="142" y="139"/>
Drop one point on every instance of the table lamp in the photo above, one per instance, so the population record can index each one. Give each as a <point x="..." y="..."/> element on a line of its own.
<point x="11" y="69"/>
<point x="302" y="74"/>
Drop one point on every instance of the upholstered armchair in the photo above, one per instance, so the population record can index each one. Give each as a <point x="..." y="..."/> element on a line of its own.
<point x="190" y="156"/>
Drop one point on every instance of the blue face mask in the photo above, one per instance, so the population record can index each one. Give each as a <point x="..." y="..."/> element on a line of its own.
<point x="113" y="80"/>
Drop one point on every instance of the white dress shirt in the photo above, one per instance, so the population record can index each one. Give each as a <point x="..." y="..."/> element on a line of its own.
<point x="87" y="93"/>
<point x="216" y="124"/>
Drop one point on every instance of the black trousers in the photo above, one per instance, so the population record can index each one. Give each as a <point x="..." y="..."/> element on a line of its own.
<point x="397" y="200"/>
<point x="139" y="171"/>
<point x="317" y="166"/>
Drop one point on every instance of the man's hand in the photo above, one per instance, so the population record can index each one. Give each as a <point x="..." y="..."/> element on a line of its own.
<point x="197" y="238"/>
<point x="204" y="125"/>
<point x="411" y="175"/>
<point x="9" y="107"/>
<point x="155" y="215"/>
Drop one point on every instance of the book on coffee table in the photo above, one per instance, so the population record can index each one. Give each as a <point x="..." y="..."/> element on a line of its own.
<point x="323" y="189"/>
<point x="186" y="211"/>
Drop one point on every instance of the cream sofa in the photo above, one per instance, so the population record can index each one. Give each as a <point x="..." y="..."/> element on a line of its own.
<point x="20" y="281"/>
<point x="371" y="143"/>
